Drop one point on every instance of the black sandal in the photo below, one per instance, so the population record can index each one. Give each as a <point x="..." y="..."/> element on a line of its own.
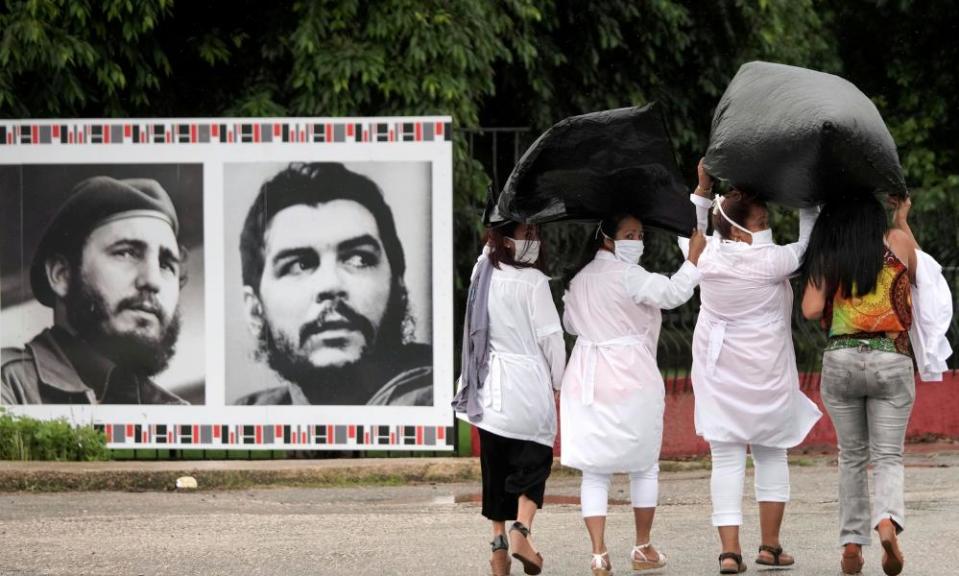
<point x="776" y="553"/>
<point x="740" y="565"/>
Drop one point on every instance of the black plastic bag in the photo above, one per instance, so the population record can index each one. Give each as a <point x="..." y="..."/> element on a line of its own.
<point x="588" y="167"/>
<point x="798" y="137"/>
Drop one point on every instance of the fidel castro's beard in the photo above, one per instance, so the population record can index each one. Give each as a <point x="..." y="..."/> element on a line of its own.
<point x="88" y="313"/>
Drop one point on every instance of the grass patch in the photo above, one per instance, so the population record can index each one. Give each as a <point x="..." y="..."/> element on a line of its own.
<point x="23" y="438"/>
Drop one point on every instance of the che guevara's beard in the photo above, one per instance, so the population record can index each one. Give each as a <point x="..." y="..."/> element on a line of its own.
<point x="89" y="314"/>
<point x="355" y="381"/>
<point x="290" y="359"/>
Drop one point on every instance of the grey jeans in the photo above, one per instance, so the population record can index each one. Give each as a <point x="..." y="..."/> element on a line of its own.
<point x="869" y="396"/>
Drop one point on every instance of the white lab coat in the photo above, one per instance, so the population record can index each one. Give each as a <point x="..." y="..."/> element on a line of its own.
<point x="744" y="366"/>
<point x="931" y="317"/>
<point x="527" y="357"/>
<point x="613" y="398"/>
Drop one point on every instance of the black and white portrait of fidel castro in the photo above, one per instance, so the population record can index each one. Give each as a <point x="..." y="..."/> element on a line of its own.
<point x="110" y="267"/>
<point x="324" y="293"/>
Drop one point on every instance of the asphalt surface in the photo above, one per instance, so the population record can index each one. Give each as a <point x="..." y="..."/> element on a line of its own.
<point x="435" y="529"/>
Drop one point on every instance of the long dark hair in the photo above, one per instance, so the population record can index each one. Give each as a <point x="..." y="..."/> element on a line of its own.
<point x="846" y="248"/>
<point x="607" y="228"/>
<point x="499" y="254"/>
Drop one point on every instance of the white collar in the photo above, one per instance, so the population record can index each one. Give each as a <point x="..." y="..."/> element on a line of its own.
<point x="602" y="254"/>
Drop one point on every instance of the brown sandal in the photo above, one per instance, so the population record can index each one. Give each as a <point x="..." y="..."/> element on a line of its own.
<point x="499" y="563"/>
<point x="776" y="552"/>
<point x="852" y="563"/>
<point x="523" y="550"/>
<point x="740" y="565"/>
<point x="892" y="559"/>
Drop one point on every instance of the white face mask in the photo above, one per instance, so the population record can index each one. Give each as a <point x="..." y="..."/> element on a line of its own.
<point x="629" y="251"/>
<point x="762" y="237"/>
<point x="525" y="251"/>
<point x="759" y="238"/>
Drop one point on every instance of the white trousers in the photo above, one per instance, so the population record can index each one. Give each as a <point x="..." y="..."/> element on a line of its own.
<point x="729" y="472"/>
<point x="594" y="490"/>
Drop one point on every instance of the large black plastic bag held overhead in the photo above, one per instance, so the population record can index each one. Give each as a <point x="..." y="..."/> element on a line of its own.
<point x="587" y="167"/>
<point x="799" y="137"/>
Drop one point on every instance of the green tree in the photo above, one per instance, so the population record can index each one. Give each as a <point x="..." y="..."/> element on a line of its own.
<point x="902" y="54"/>
<point x="80" y="57"/>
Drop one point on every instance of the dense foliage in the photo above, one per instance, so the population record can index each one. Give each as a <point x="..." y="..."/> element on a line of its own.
<point x="24" y="438"/>
<point x="510" y="62"/>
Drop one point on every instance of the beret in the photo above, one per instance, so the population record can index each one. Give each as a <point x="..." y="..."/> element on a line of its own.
<point x="92" y="203"/>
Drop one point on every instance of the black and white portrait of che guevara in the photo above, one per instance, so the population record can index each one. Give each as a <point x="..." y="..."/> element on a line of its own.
<point x="329" y="286"/>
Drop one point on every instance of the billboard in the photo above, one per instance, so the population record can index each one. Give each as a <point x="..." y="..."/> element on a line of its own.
<point x="230" y="283"/>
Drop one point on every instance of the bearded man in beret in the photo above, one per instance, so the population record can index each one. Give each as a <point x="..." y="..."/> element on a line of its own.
<point x="110" y="267"/>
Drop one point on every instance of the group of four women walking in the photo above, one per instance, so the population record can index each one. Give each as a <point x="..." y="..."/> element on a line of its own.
<point x="856" y="274"/>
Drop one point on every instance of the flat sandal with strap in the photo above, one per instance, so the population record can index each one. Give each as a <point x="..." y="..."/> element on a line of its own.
<point x="740" y="565"/>
<point x="776" y="552"/>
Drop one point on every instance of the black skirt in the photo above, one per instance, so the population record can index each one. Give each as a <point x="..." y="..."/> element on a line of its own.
<point x="512" y="468"/>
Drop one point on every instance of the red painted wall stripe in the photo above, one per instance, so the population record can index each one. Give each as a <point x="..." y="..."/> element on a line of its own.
<point x="935" y="413"/>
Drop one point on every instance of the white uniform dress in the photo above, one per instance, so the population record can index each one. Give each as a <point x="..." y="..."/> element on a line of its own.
<point x="744" y="366"/>
<point x="527" y="357"/>
<point x="613" y="396"/>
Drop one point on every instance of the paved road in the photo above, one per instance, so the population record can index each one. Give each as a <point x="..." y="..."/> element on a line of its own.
<point x="430" y="529"/>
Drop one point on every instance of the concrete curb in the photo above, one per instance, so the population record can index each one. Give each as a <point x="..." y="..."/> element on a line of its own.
<point x="231" y="474"/>
<point x="160" y="476"/>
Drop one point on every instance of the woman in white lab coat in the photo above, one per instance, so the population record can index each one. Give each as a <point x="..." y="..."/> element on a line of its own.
<point x="613" y="396"/>
<point x="509" y="392"/>
<point x="744" y="367"/>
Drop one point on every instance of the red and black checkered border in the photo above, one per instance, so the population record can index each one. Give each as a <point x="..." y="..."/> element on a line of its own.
<point x="251" y="436"/>
<point x="53" y="132"/>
